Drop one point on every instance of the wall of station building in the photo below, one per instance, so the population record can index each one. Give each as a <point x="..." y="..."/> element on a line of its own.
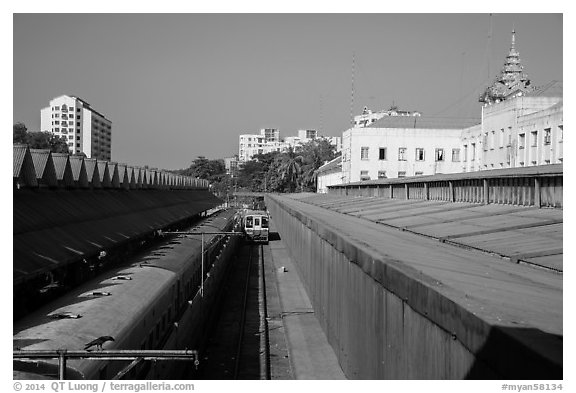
<point x="521" y="132"/>
<point x="386" y="323"/>
<point x="424" y="152"/>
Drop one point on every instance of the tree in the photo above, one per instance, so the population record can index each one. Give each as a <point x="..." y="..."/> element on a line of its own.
<point x="315" y="153"/>
<point x="39" y="140"/>
<point x="19" y="133"/>
<point x="47" y="140"/>
<point x="290" y="169"/>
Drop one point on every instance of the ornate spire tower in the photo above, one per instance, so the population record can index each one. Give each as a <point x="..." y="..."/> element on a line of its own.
<point x="511" y="82"/>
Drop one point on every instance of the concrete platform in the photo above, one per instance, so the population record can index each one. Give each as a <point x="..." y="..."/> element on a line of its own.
<point x="290" y="310"/>
<point x="398" y="305"/>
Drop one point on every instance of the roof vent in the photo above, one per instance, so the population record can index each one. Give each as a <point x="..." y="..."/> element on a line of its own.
<point x="99" y="294"/>
<point x="121" y="277"/>
<point x="64" y="315"/>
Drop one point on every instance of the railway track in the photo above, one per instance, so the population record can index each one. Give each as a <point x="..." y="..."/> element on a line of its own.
<point x="237" y="347"/>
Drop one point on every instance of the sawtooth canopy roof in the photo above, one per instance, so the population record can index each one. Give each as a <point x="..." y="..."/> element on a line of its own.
<point x="54" y="229"/>
<point x="41" y="168"/>
<point x="424" y="122"/>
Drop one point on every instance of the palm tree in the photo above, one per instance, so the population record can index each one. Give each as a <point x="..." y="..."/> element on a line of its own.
<point x="290" y="169"/>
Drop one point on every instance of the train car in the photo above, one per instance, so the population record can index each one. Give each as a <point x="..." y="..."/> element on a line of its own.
<point x="255" y="225"/>
<point x="153" y="302"/>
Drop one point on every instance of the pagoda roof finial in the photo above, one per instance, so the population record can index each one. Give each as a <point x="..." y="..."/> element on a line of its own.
<point x="513" y="38"/>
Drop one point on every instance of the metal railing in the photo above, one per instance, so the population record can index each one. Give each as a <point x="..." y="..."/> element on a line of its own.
<point x="531" y="186"/>
<point x="136" y="356"/>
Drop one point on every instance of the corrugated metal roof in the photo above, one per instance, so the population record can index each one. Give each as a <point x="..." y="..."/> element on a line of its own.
<point x="78" y="170"/>
<point x="104" y="173"/>
<point x="44" y="166"/>
<point x="92" y="172"/>
<point x="424" y="122"/>
<point x="334" y="164"/>
<point x="39" y="158"/>
<point x="24" y="172"/>
<point x="18" y="158"/>
<point x="60" y="164"/>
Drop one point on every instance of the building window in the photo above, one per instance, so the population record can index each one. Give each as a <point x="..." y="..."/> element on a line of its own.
<point x="455" y="155"/>
<point x="78" y="124"/>
<point x="501" y="138"/>
<point x="57" y="129"/>
<point x="57" y="115"/>
<point x="509" y="142"/>
<point x="71" y="108"/>
<point x="473" y="150"/>
<point x="382" y="153"/>
<point x="56" y="121"/>
<point x="521" y="141"/>
<point x="364" y="175"/>
<point x="56" y="108"/>
<point x="534" y="136"/>
<point x="71" y="144"/>
<point x="381" y="174"/>
<point x="77" y="109"/>
<point x="484" y="141"/>
<point x="493" y="140"/>
<point x="465" y="153"/>
<point x="560" y="133"/>
<point x="70" y="136"/>
<point x="78" y="117"/>
<point x="402" y="154"/>
<point x="77" y="138"/>
<point x="439" y="154"/>
<point x="71" y="122"/>
<point x="419" y="154"/>
<point x="77" y="145"/>
<point x="402" y="174"/>
<point x="547" y="136"/>
<point x="364" y="153"/>
<point x="418" y="173"/>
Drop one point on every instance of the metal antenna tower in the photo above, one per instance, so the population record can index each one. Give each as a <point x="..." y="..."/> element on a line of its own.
<point x="352" y="93"/>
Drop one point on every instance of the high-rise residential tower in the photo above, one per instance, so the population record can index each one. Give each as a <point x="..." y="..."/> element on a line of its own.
<point x="86" y="130"/>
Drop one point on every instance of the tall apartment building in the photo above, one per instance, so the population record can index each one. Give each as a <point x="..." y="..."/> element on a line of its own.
<point x="270" y="134"/>
<point x="231" y="165"/>
<point x="86" y="130"/>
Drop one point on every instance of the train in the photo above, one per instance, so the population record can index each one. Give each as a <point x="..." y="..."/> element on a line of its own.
<point x="255" y="226"/>
<point x="157" y="300"/>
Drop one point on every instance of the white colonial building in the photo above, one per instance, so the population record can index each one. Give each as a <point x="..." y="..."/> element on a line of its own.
<point x="520" y="125"/>
<point x="403" y="146"/>
<point x="86" y="130"/>
<point x="329" y="174"/>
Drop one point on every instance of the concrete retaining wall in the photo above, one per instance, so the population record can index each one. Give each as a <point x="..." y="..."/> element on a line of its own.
<point x="384" y="324"/>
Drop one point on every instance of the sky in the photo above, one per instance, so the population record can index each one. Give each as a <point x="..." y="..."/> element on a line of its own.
<point x="179" y="86"/>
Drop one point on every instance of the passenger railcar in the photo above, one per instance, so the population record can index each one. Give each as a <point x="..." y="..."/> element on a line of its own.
<point x="255" y="225"/>
<point x="152" y="303"/>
